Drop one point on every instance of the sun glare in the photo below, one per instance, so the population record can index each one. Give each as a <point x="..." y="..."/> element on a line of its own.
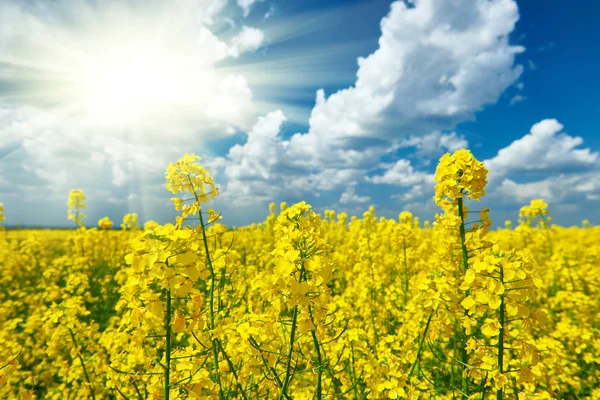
<point x="142" y="66"/>
<point x="125" y="88"/>
<point x="118" y="67"/>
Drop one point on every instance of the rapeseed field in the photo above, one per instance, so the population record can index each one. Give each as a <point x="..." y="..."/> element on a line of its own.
<point x="303" y="305"/>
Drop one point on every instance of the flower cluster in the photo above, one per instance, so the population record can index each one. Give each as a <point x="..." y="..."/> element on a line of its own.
<point x="76" y="204"/>
<point x="130" y="222"/>
<point x="458" y="175"/>
<point x="537" y="209"/>
<point x="105" y="223"/>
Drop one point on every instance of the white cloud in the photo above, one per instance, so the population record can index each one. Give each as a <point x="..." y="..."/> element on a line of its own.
<point x="249" y="39"/>
<point x="555" y="189"/>
<point x="437" y="64"/>
<point x="271" y="12"/>
<point x="544" y="149"/>
<point x="350" y="197"/>
<point x="439" y="61"/>
<point x="524" y="192"/>
<point x="517" y="99"/>
<point x="261" y="151"/>
<point x="264" y="168"/>
<point x="436" y="143"/>
<point x="246" y="5"/>
<point x="402" y="173"/>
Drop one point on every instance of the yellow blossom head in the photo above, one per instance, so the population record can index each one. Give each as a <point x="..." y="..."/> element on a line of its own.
<point x="186" y="175"/>
<point x="457" y="175"/>
<point x="76" y="204"/>
<point x="406" y="217"/>
<point x="150" y="225"/>
<point x="76" y="199"/>
<point x="130" y="221"/>
<point x="105" y="223"/>
<point x="537" y="208"/>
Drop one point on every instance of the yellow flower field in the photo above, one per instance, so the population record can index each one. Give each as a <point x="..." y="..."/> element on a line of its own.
<point x="303" y="306"/>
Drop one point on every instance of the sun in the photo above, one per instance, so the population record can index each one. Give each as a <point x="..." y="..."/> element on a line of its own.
<point x="149" y="67"/>
<point x="125" y="87"/>
<point x="120" y="69"/>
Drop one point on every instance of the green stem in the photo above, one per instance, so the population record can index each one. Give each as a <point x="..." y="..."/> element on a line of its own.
<point x="463" y="246"/>
<point x="210" y="269"/>
<point x="353" y="373"/>
<point x="167" y="374"/>
<point x="319" y="367"/>
<point x="465" y="261"/>
<point x="373" y="299"/>
<point x="501" y="337"/>
<point x="405" y="273"/>
<point x="85" y="373"/>
<point x="232" y="367"/>
<point x="288" y="365"/>
<point x="212" y="302"/>
<point x="212" y="290"/>
<point x="216" y="367"/>
<point x="412" y="368"/>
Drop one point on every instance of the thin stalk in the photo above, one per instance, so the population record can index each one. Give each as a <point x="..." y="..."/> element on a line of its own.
<point x="232" y="367"/>
<point x="212" y="290"/>
<point x="412" y="368"/>
<point x="463" y="239"/>
<point x="373" y="299"/>
<point x="210" y="268"/>
<point x="405" y="273"/>
<point x="85" y="373"/>
<point x="167" y="375"/>
<point x="320" y="366"/>
<point x="465" y="259"/>
<point x="353" y="373"/>
<point x="288" y="365"/>
<point x="501" y="338"/>
<point x="216" y="367"/>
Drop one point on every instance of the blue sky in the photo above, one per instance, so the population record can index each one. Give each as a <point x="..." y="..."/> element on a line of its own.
<point x="344" y="104"/>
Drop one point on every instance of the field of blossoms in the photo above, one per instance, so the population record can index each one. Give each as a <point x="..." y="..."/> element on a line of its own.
<point x="302" y="305"/>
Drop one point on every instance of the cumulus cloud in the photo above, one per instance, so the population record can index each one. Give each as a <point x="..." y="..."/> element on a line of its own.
<point x="517" y="99"/>
<point x="263" y="169"/>
<point x="402" y="173"/>
<point x="436" y="143"/>
<point x="349" y="196"/>
<point x="544" y="149"/>
<point x="249" y="39"/>
<point x="545" y="163"/>
<point x="555" y="189"/>
<point x="246" y="5"/>
<point x="437" y="64"/>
